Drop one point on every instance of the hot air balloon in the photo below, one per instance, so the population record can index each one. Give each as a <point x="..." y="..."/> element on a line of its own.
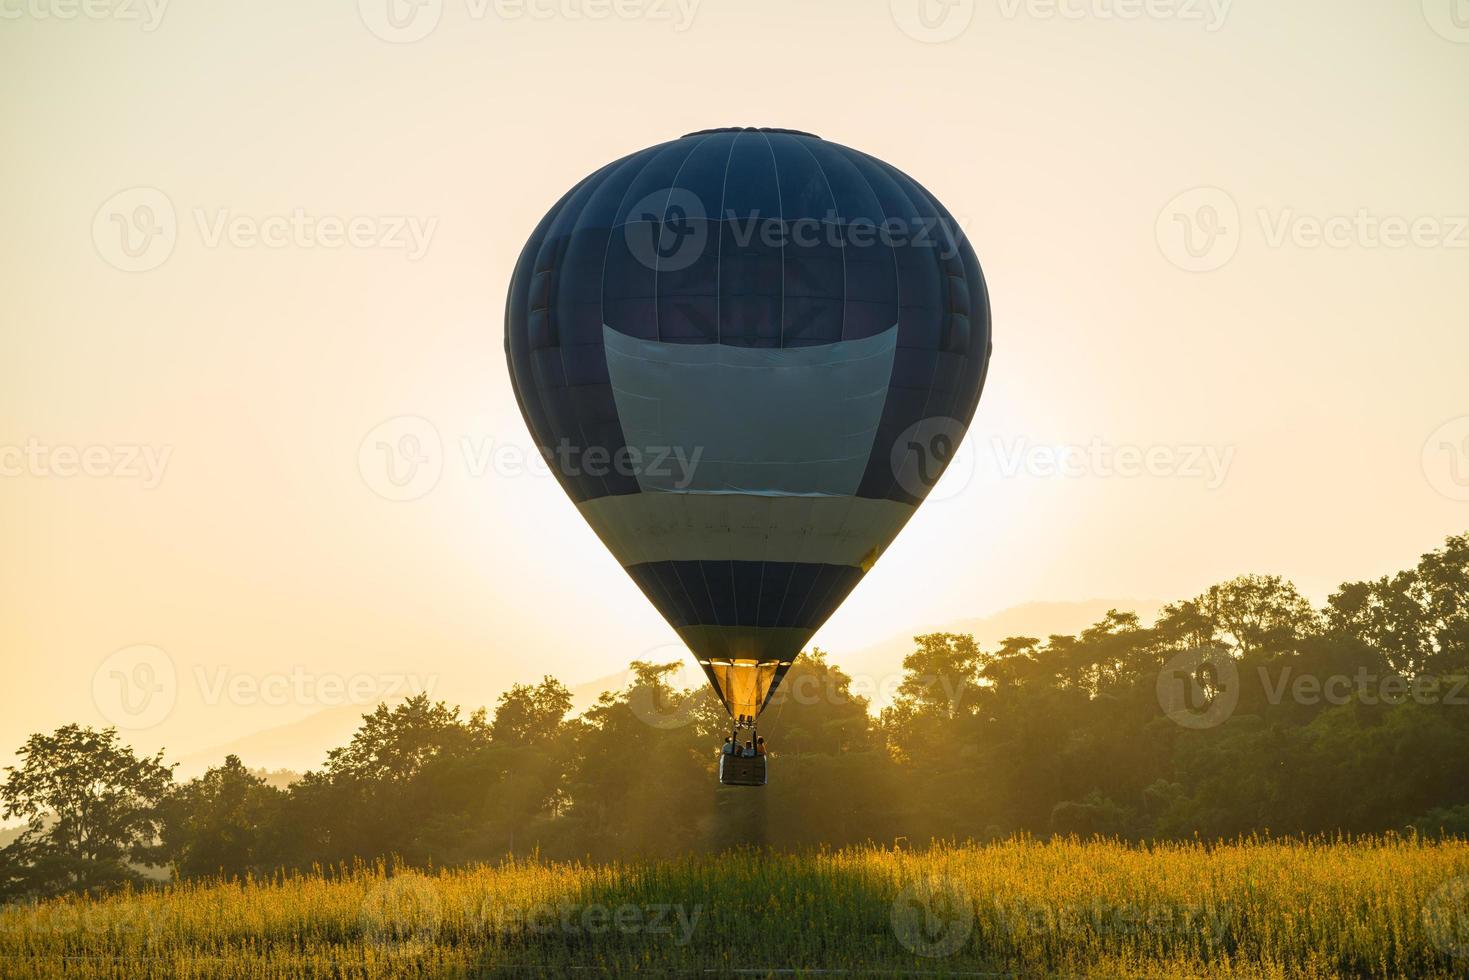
<point x="748" y="355"/>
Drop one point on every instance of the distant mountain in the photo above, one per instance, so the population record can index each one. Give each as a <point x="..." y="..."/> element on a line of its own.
<point x="297" y="746"/>
<point x="881" y="664"/>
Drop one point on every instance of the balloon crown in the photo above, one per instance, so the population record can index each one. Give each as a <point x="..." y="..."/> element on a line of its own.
<point x="752" y="129"/>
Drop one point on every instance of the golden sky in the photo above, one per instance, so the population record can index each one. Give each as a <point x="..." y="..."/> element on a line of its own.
<point x="248" y="246"/>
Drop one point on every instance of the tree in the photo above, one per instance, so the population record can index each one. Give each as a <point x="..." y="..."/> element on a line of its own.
<point x="814" y="710"/>
<point x="387" y="791"/>
<point x="219" y="823"/>
<point x="393" y="744"/>
<point x="91" y="805"/>
<point x="1257" y="613"/>
<point x="530" y="715"/>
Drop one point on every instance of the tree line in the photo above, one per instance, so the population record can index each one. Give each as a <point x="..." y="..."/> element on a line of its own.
<point x="1243" y="710"/>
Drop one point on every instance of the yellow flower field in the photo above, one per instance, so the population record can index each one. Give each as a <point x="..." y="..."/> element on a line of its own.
<point x="1257" y="908"/>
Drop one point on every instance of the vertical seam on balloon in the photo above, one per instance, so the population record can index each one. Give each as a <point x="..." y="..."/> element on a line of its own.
<point x="842" y="333"/>
<point x="542" y="409"/>
<point x="781" y="207"/>
<point x="938" y="213"/>
<point x="653" y="156"/>
<point x="833" y="577"/>
<point x="709" y="593"/>
<point x="688" y="596"/>
<point x="657" y="257"/>
<point x="916" y="193"/>
<point x="897" y="291"/>
<point x="897" y="279"/>
<point x="785" y="596"/>
<point x="607" y="173"/>
<point x="573" y="218"/>
<point x="796" y="557"/>
<point x="780" y="203"/>
<point x="718" y="224"/>
<point x="719" y="248"/>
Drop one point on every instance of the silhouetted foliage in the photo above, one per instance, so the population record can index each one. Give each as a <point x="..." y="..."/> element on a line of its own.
<point x="1351" y="718"/>
<point x="92" y="808"/>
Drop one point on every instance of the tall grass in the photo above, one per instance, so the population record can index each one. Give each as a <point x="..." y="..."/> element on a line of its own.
<point x="1254" y="908"/>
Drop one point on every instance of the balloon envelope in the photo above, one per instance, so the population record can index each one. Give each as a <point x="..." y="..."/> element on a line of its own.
<point x="748" y="355"/>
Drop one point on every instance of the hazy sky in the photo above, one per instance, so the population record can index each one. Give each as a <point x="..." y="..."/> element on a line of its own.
<point x="248" y="246"/>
